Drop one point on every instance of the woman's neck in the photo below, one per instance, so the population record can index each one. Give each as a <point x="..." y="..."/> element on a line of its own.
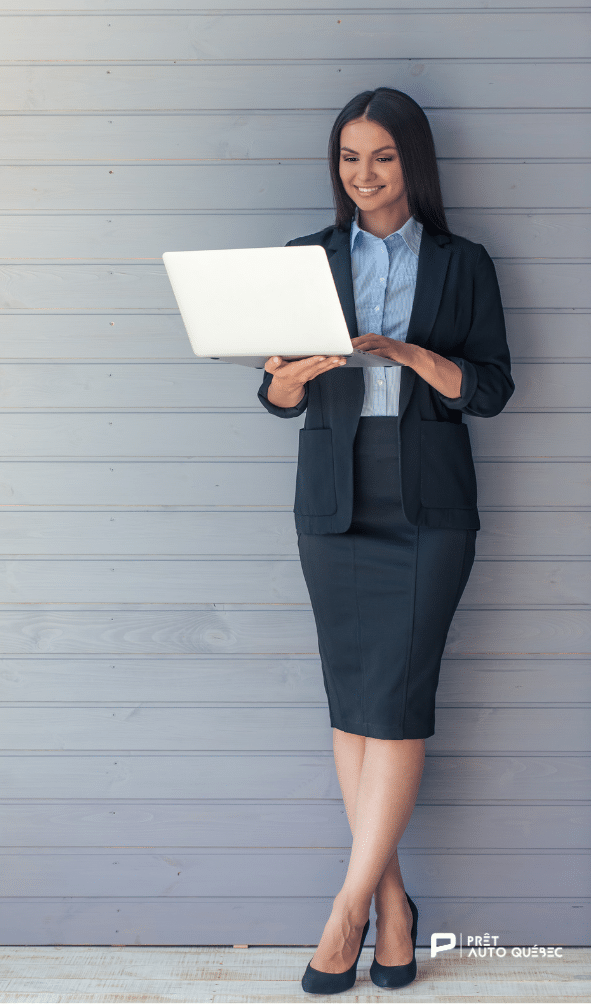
<point x="383" y="223"/>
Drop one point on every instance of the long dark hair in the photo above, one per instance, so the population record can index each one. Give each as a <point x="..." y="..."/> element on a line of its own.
<point x="408" y="125"/>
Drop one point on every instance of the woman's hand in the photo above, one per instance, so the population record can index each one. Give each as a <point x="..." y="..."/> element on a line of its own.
<point x="441" y="373"/>
<point x="379" y="345"/>
<point x="286" y="389"/>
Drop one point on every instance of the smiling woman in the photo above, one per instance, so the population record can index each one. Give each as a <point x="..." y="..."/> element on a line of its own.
<point x="375" y="178"/>
<point x="385" y="502"/>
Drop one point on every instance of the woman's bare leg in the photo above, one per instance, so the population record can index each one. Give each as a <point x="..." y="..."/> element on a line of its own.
<point x="394" y="916"/>
<point x="379" y="780"/>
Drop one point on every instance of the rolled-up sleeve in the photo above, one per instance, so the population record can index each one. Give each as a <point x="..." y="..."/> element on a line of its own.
<point x="275" y="409"/>
<point x="485" y="362"/>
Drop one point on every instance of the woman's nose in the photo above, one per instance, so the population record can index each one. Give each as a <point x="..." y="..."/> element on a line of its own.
<point x="366" y="173"/>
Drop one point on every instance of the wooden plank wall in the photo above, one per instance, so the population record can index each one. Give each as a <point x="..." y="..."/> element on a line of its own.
<point x="167" y="769"/>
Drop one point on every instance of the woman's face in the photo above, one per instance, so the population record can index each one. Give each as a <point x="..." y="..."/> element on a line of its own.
<point x="370" y="168"/>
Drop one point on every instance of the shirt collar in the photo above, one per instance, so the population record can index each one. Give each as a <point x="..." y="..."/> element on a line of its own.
<point x="410" y="232"/>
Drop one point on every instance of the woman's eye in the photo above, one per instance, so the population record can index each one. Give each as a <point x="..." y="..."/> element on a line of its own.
<point x="350" y="159"/>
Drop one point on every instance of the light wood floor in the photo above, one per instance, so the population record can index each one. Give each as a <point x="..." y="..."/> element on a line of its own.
<point x="272" y="975"/>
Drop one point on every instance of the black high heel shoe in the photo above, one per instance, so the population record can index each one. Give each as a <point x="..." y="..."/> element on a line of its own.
<point x="314" y="981"/>
<point x="395" y="977"/>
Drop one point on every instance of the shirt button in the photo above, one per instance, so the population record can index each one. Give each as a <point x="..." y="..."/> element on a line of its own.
<point x="376" y="308"/>
<point x="380" y="382"/>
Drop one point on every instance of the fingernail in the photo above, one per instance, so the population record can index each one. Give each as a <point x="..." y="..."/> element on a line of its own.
<point x="275" y="359"/>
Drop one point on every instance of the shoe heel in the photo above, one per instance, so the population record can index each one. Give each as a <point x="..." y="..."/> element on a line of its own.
<point x="314" y="981"/>
<point x="395" y="977"/>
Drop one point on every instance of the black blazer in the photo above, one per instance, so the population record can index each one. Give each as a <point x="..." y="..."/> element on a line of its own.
<point x="457" y="312"/>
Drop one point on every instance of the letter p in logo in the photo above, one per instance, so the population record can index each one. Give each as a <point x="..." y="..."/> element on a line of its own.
<point x="435" y="948"/>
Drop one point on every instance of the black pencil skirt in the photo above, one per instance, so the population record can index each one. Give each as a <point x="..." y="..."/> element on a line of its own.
<point x="383" y="596"/>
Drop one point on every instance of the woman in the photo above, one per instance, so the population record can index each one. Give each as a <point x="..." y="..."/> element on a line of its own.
<point x="385" y="503"/>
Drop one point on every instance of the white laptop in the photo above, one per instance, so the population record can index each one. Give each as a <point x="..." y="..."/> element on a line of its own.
<point x="246" y="304"/>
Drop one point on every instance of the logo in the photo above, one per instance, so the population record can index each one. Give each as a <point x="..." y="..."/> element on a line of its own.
<point x="448" y="936"/>
<point x="478" y="946"/>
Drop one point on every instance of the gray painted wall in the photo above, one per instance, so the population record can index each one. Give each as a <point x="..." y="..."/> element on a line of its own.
<point x="167" y="771"/>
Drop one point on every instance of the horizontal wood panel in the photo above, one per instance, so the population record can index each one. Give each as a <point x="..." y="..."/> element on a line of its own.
<point x="249" y="484"/>
<point x="269" y="972"/>
<point x="84" y="335"/>
<point x="208" y="385"/>
<point x="496" y="682"/>
<point x="270" y="969"/>
<point x="252" y="185"/>
<point x="552" y="730"/>
<point x="404" y="34"/>
<point x="276" y="824"/>
<point x="158" y="921"/>
<point x="529" y="284"/>
<point x="228" y="921"/>
<point x="185" y="533"/>
<point x="464" y="780"/>
<point x="433" y="82"/>
<point x="282" y="990"/>
<point x="225" y="580"/>
<point x="530" y="435"/>
<point x="531" y="533"/>
<point x="282" y="873"/>
<point x="513" y="235"/>
<point x="131" y="286"/>
<point x="270" y="679"/>
<point x="541" y="386"/>
<point x="154" y="631"/>
<point x="232" y="434"/>
<point x="164" y="385"/>
<point x="132" y="336"/>
<point x="173" y="135"/>
<point x="147" y="236"/>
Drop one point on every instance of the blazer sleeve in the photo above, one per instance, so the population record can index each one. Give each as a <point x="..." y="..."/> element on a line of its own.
<point x="275" y="409"/>
<point x="485" y="362"/>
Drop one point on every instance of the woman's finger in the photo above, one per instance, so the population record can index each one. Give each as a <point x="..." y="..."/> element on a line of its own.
<point x="273" y="363"/>
<point x="302" y="370"/>
<point x="321" y="366"/>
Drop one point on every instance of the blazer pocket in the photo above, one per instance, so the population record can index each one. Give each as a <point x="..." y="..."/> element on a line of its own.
<point x="315" y="489"/>
<point x="448" y="478"/>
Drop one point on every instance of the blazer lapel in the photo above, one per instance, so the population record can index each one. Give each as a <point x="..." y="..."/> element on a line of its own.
<point x="338" y="251"/>
<point x="432" y="269"/>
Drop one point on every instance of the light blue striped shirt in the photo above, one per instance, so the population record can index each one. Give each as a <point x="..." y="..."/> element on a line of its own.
<point x="384" y="280"/>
